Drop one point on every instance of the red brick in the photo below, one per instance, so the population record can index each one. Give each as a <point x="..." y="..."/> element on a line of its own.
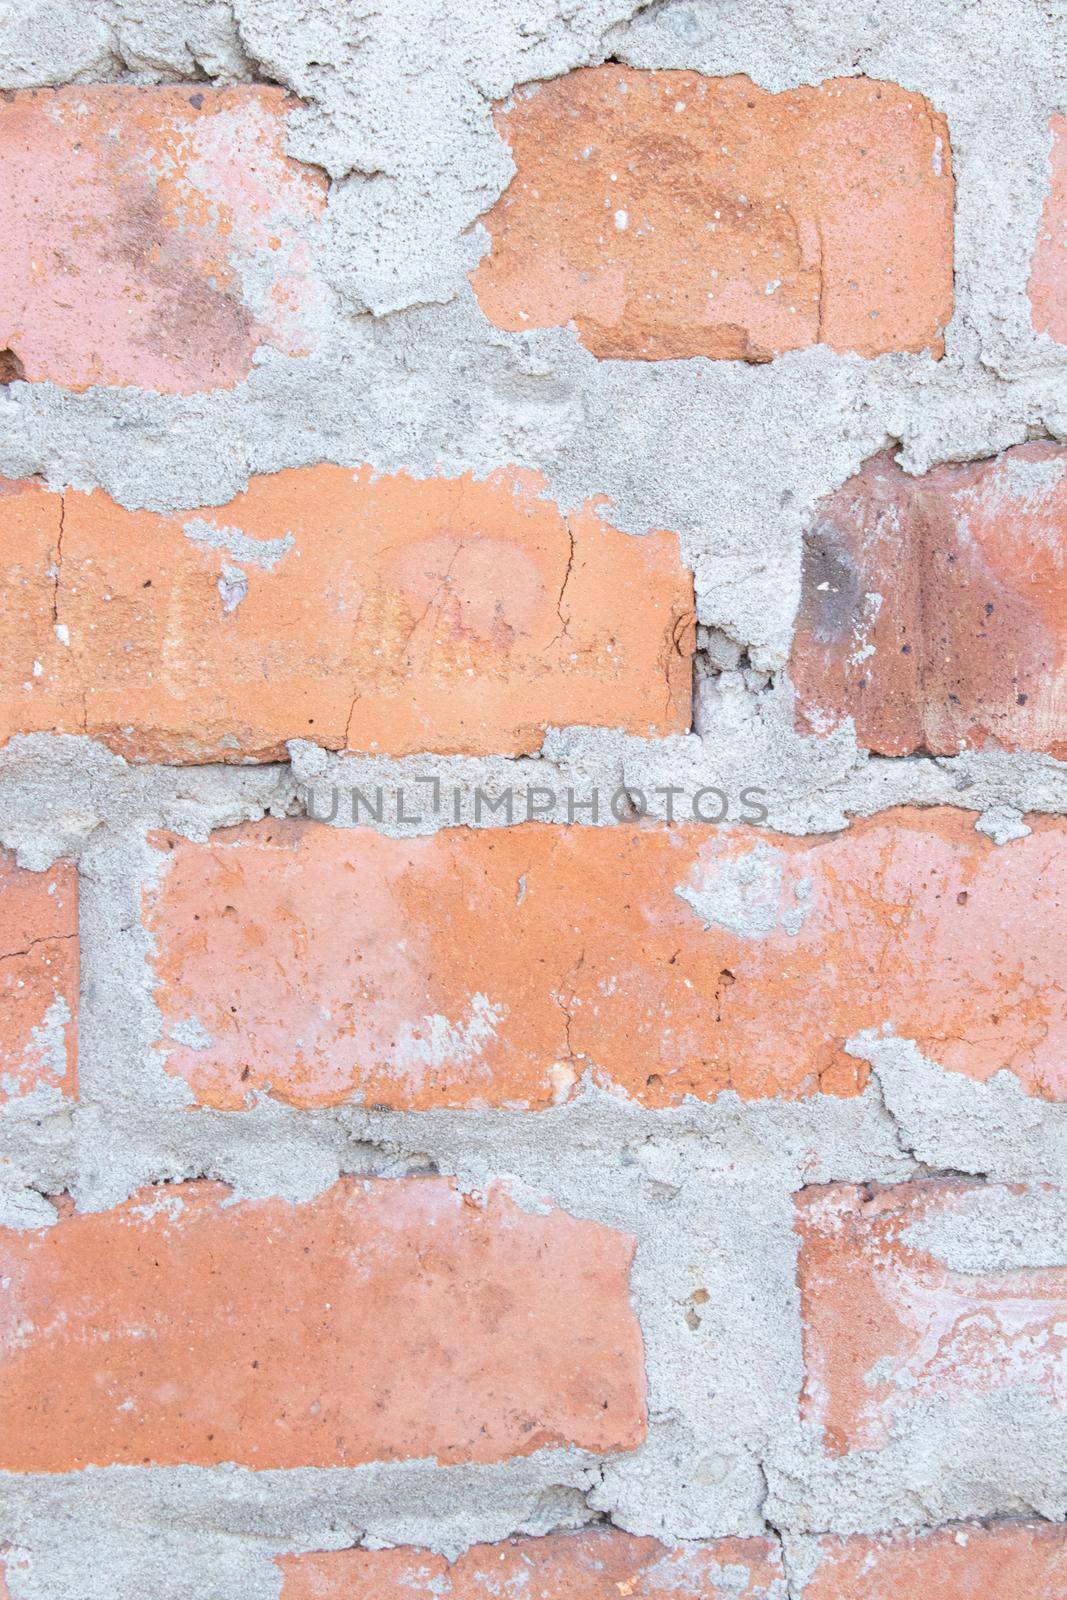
<point x="381" y="1321"/>
<point x="595" y="1564"/>
<point x="1002" y="1561"/>
<point x="888" y="1326"/>
<point x="131" y="217"/>
<point x="38" y="978"/>
<point x="493" y="967"/>
<point x="1048" y="276"/>
<point x="934" y="609"/>
<point x="667" y="214"/>
<point x="375" y="613"/>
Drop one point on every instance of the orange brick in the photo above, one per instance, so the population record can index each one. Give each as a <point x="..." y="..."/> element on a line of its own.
<point x="667" y="214"/>
<point x="1004" y="1561"/>
<point x="493" y="967"/>
<point x="39" y="693"/>
<point x="888" y="1326"/>
<point x="38" y="978"/>
<point x="130" y="218"/>
<point x="1048" y="276"/>
<point x="381" y="1321"/>
<point x="595" y="1564"/>
<point x="934" y="609"/>
<point x="375" y="613"/>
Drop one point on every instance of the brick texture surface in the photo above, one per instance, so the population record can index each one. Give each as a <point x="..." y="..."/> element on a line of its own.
<point x="132" y="219"/>
<point x="888" y="1326"/>
<point x="496" y="967"/>
<point x="1001" y="1562"/>
<point x="533" y="800"/>
<point x="381" y="1321"/>
<point x="600" y="1564"/>
<point x="38" y="979"/>
<point x="934" y="609"/>
<point x="382" y="614"/>
<point x="1048" y="278"/>
<point x="666" y="214"/>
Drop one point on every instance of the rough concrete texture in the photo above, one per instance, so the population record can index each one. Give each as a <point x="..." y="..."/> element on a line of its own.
<point x="401" y="371"/>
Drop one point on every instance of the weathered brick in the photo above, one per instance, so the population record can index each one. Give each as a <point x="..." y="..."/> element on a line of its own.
<point x="35" y="686"/>
<point x="494" y="967"/>
<point x="888" y="1325"/>
<point x="1048" y="276"/>
<point x="1002" y="1561"/>
<point x="152" y="236"/>
<point x="383" y="614"/>
<point x="668" y="214"/>
<point x="934" y="609"/>
<point x="38" y="978"/>
<point x="596" y="1563"/>
<point x="380" y="1321"/>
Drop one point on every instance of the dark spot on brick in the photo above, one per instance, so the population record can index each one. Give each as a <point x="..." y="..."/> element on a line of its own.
<point x="193" y="316"/>
<point x="11" y="368"/>
<point x="830" y="583"/>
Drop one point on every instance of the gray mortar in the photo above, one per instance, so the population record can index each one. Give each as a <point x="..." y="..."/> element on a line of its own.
<point x="948" y="1122"/>
<point x="995" y="1231"/>
<point x="408" y="374"/>
<point x="1000" y="1454"/>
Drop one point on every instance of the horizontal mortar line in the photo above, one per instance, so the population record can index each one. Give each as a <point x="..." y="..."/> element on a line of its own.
<point x="599" y="745"/>
<point x="138" y="797"/>
<point x="366" y="1493"/>
<point x="310" y="1508"/>
<point x="594" y="1112"/>
<point x="820" y="1139"/>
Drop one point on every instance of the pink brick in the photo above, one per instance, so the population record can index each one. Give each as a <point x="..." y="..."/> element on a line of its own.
<point x="934" y="609"/>
<point x="138" y="224"/>
<point x="380" y="1321"/>
<point x="1048" y="277"/>
<point x="887" y="1325"/>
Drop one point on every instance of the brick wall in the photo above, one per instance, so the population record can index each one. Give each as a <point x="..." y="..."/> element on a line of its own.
<point x="533" y="710"/>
